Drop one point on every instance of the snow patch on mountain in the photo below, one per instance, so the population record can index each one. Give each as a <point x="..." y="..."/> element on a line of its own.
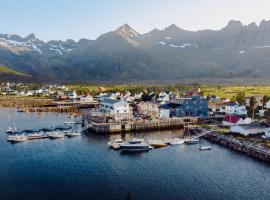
<point x="241" y="52"/>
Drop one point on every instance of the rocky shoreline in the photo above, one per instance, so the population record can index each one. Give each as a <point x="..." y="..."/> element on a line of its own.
<point x="248" y="148"/>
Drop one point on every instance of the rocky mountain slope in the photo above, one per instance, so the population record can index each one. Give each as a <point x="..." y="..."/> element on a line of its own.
<point x="235" y="51"/>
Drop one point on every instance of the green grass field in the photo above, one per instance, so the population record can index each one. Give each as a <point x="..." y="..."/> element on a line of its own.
<point x="231" y="91"/>
<point x="6" y="70"/>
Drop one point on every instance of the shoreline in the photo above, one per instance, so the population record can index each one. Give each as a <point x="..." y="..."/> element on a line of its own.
<point x="38" y="105"/>
<point x="245" y="147"/>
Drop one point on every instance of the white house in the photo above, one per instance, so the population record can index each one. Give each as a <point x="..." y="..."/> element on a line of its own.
<point x="163" y="97"/>
<point x="72" y="95"/>
<point x="235" y="109"/>
<point x="231" y="120"/>
<point x="86" y="98"/>
<point x="114" y="107"/>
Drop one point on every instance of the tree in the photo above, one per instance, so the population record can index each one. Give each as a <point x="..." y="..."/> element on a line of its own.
<point x="240" y="97"/>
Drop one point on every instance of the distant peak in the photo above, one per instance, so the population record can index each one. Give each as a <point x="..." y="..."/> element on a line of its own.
<point x="30" y="37"/>
<point x="234" y="24"/>
<point x="126" y="31"/>
<point x="173" y="27"/>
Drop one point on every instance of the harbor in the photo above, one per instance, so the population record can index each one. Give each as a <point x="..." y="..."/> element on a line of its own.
<point x="79" y="163"/>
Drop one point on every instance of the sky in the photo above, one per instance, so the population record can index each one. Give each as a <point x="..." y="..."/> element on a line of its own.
<point x="75" y="19"/>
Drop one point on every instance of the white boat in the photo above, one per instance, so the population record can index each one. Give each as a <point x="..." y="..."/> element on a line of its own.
<point x="192" y="141"/>
<point x="33" y="136"/>
<point x="17" y="138"/>
<point x="11" y="130"/>
<point x="202" y="148"/>
<point x="157" y="143"/>
<point x="136" y="140"/>
<point x="177" y="141"/>
<point x="115" y="144"/>
<point x="73" y="134"/>
<point x="138" y="146"/>
<point x="55" y="135"/>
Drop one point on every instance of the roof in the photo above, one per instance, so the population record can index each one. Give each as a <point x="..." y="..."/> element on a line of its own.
<point x="165" y="106"/>
<point x="231" y="118"/>
<point x="231" y="103"/>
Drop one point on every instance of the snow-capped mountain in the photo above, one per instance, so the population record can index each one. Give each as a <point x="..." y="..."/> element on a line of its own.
<point x="236" y="51"/>
<point x="30" y="43"/>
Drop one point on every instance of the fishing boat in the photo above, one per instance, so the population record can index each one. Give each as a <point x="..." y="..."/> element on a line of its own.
<point x="17" y="138"/>
<point x="55" y="135"/>
<point x="33" y="136"/>
<point x="203" y="148"/>
<point x="135" y="147"/>
<point x="73" y="134"/>
<point x="115" y="144"/>
<point x="157" y="143"/>
<point x="192" y="141"/>
<point x="177" y="141"/>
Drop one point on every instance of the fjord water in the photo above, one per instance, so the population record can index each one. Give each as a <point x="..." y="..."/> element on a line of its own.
<point x="84" y="168"/>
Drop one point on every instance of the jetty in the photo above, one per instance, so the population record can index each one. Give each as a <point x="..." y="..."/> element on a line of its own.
<point x="246" y="147"/>
<point x="99" y="126"/>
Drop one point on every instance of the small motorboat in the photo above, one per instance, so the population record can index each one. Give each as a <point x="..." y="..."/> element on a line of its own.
<point x="17" y="138"/>
<point x="135" y="147"/>
<point x="55" y="135"/>
<point x="115" y="144"/>
<point x="203" y="148"/>
<point x="177" y="141"/>
<point x="33" y="136"/>
<point x="157" y="143"/>
<point x="192" y="141"/>
<point x="73" y="134"/>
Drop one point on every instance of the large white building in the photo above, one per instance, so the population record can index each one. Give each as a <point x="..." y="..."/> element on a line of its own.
<point x="114" y="107"/>
<point x="235" y="109"/>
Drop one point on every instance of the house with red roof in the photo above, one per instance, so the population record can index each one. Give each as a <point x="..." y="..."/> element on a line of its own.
<point x="231" y="120"/>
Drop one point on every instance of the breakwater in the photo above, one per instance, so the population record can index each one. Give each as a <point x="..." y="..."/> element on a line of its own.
<point x="246" y="147"/>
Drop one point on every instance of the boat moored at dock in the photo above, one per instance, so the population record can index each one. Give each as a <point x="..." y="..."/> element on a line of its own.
<point x="132" y="146"/>
<point x="34" y="136"/>
<point x="73" y="134"/>
<point x="115" y="144"/>
<point x="55" y="135"/>
<point x="157" y="143"/>
<point x="17" y="138"/>
<point x="192" y="141"/>
<point x="177" y="141"/>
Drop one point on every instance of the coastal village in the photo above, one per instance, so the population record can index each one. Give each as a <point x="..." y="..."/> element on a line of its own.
<point x="240" y="123"/>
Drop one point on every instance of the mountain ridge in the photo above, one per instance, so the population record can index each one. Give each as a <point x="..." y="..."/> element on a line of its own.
<point x="235" y="51"/>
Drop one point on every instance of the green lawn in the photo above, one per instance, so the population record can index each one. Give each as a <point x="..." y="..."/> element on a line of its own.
<point x="6" y="70"/>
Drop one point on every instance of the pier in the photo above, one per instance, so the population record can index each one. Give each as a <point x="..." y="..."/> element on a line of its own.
<point x="132" y="125"/>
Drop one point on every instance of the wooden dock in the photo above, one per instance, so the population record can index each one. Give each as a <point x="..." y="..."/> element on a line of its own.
<point x="160" y="124"/>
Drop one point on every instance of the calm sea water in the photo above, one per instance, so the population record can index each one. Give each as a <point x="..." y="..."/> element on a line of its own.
<point x="84" y="168"/>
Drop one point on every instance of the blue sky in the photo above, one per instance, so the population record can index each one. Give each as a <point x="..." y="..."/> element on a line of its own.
<point x="62" y="19"/>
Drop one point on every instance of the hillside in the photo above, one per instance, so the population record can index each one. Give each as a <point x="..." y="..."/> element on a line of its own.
<point x="236" y="52"/>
